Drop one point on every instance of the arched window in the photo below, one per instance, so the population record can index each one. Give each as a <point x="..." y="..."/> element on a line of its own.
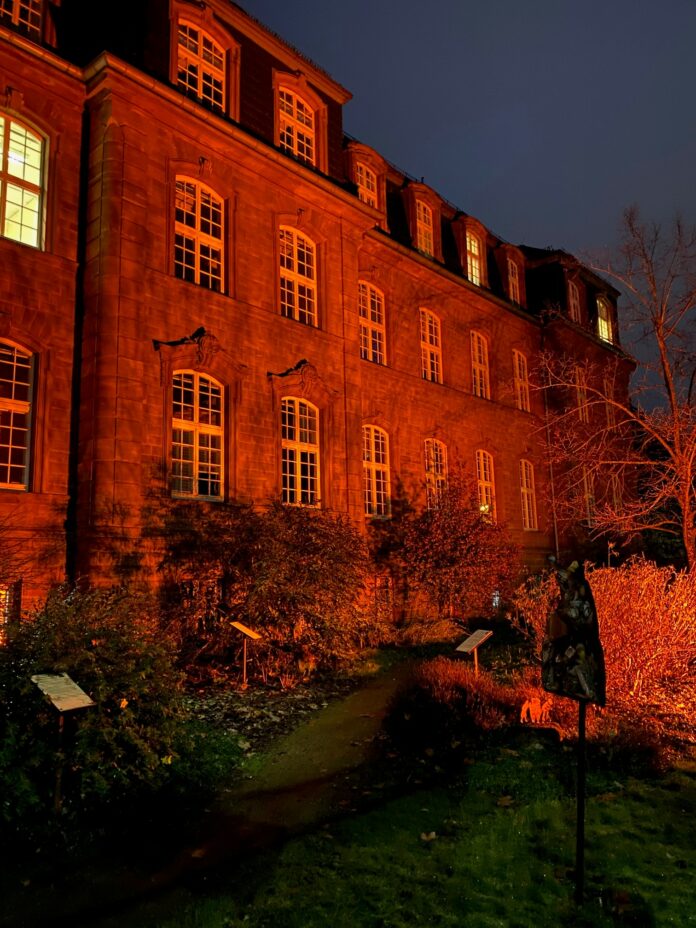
<point x="300" y="452"/>
<point x="513" y="280"/>
<point x="376" y="479"/>
<point x="480" y="378"/>
<point x="201" y="68"/>
<point x="573" y="301"/>
<point x="431" y="347"/>
<point x="372" y="323"/>
<point x="528" y="496"/>
<point x="605" y="328"/>
<point x="424" y="228"/>
<point x="521" y="377"/>
<point x="16" y="398"/>
<point x="485" y="480"/>
<point x="199" y="235"/>
<point x="197" y="436"/>
<point x="298" y="277"/>
<point x="435" y="471"/>
<point x="21" y="182"/>
<point x="297" y="129"/>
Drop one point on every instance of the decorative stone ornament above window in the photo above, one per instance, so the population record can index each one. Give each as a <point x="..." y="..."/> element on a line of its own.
<point x="300" y="114"/>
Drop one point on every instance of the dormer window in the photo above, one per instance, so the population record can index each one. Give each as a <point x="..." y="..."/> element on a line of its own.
<point x="25" y="14"/>
<point x="473" y="258"/>
<point x="573" y="301"/>
<point x="605" y="329"/>
<point x="513" y="281"/>
<point x="424" y="228"/>
<point x="297" y="129"/>
<point x="201" y="71"/>
<point x="366" y="181"/>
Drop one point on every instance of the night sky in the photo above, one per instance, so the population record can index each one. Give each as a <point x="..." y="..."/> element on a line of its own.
<point x="542" y="118"/>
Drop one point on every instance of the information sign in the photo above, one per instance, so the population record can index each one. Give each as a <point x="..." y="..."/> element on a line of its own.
<point x="63" y="692"/>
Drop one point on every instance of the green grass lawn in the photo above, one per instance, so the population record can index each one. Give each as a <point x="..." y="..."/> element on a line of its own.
<point x="492" y="845"/>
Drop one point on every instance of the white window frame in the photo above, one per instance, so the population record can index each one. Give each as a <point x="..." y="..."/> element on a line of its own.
<point x="201" y="66"/>
<point x="435" y="471"/>
<point x="480" y="371"/>
<point x="298" y="277"/>
<point x="605" y="328"/>
<point x="528" y="496"/>
<point x="485" y="481"/>
<point x="431" y="346"/>
<point x="297" y="126"/>
<point x="474" y="258"/>
<point x="521" y="379"/>
<point x="199" y="235"/>
<point x="300" y="454"/>
<point x="17" y="370"/>
<point x="425" y="234"/>
<point x="198" y="436"/>
<point x="22" y="180"/>
<point x="23" y="13"/>
<point x="513" y="280"/>
<point x="366" y="182"/>
<point x="376" y="472"/>
<point x="373" y="334"/>
<point x="573" y="301"/>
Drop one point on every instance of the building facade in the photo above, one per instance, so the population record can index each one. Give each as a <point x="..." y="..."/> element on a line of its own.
<point x="208" y="291"/>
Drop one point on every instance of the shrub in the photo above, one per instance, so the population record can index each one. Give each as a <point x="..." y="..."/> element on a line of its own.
<point x="108" y="643"/>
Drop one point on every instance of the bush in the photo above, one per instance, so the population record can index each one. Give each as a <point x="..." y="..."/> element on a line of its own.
<point x="108" y="643"/>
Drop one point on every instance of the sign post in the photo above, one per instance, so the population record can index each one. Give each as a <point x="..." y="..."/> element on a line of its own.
<point x="471" y="644"/>
<point x="572" y="665"/>
<point x="248" y="633"/>
<point x="65" y="696"/>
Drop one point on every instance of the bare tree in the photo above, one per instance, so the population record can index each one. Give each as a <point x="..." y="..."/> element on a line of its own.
<point x="630" y="459"/>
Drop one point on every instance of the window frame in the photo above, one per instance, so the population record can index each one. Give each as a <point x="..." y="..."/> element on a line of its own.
<point x="425" y="228"/>
<point x="430" y="345"/>
<point x="605" y="322"/>
<point x="436" y="471"/>
<point x="480" y="367"/>
<point x="26" y="189"/>
<point x="199" y="240"/>
<point x="485" y="482"/>
<point x="11" y="407"/>
<point x="514" y="281"/>
<point x="367" y="182"/>
<point x="376" y="472"/>
<point x="304" y="306"/>
<point x="198" y="429"/>
<point x="31" y="24"/>
<point x="300" y="468"/>
<point x="528" y="496"/>
<point x="574" y="302"/>
<point x="373" y="328"/>
<point x="198" y="59"/>
<point x="474" y="258"/>
<point x="521" y="380"/>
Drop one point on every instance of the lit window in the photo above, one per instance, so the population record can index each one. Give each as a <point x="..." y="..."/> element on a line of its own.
<point x="480" y="380"/>
<point x="197" y="436"/>
<point x="21" y="182"/>
<point x="424" y="228"/>
<point x="588" y="492"/>
<point x="372" y="329"/>
<point x="435" y="471"/>
<point x="366" y="181"/>
<point x="16" y="389"/>
<point x="10" y="602"/>
<point x="23" y="13"/>
<point x="486" y="483"/>
<point x="513" y="280"/>
<point x="198" y="235"/>
<point x="519" y="362"/>
<point x="581" y="396"/>
<point x="201" y="66"/>
<point x="376" y="471"/>
<point x="431" y="347"/>
<point x="300" y="452"/>
<point x="573" y="301"/>
<point x="528" y="495"/>
<point x="296" y="126"/>
<point x="604" y="324"/>
<point x="298" y="273"/>
<point x="473" y="259"/>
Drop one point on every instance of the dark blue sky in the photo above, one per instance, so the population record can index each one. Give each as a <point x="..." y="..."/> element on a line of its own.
<point x="542" y="118"/>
